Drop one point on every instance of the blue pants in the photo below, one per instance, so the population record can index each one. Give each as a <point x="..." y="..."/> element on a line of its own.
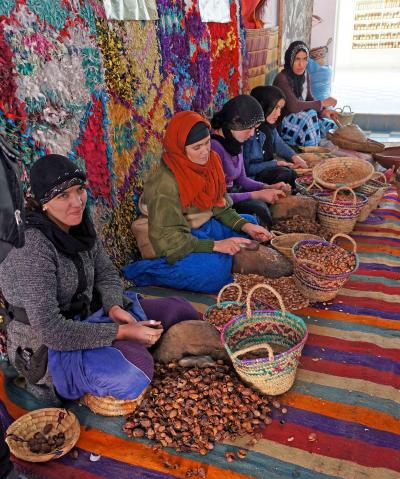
<point x="200" y="272"/>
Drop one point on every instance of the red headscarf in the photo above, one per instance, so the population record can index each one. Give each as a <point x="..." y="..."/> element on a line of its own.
<point x="202" y="186"/>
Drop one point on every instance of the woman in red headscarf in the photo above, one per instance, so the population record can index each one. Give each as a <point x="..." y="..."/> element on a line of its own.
<point x="192" y="227"/>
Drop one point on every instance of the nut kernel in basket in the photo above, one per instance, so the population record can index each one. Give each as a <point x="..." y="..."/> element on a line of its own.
<point x="326" y="259"/>
<point x="220" y="316"/>
<point x="298" y="224"/>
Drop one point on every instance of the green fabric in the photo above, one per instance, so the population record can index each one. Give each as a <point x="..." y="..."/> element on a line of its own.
<point x="169" y="231"/>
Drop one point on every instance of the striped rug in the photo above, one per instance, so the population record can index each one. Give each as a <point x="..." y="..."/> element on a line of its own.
<point x="346" y="392"/>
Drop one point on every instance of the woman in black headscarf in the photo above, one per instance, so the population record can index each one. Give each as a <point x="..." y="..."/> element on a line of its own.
<point x="259" y="150"/>
<point x="305" y="119"/>
<point x="233" y="125"/>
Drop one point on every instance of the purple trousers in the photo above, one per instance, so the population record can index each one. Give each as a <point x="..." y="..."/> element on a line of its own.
<point x="168" y="311"/>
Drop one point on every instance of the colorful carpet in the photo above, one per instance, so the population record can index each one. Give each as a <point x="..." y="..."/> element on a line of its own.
<point x="346" y="392"/>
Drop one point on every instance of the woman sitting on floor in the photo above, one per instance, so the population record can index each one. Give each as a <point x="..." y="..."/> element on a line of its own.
<point x="233" y="125"/>
<point x="305" y="119"/>
<point x="71" y="329"/>
<point x="192" y="227"/>
<point x="259" y="150"/>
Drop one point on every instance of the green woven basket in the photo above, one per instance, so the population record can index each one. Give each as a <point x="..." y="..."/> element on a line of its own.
<point x="262" y="329"/>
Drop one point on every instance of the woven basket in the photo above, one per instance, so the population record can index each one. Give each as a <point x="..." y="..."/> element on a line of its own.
<point x="339" y="216"/>
<point x="110" y="406"/>
<point x="261" y="330"/>
<point x="366" y="146"/>
<point x="313" y="284"/>
<point x="29" y="424"/>
<point x="374" y="184"/>
<point x="283" y="242"/>
<point x="312" y="159"/>
<point x="345" y="117"/>
<point x="224" y="304"/>
<point x="314" y="149"/>
<point x="373" y="202"/>
<point x="346" y="170"/>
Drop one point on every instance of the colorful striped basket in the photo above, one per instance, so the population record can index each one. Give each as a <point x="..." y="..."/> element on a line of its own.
<point x="313" y="284"/>
<point x="374" y="184"/>
<point x="307" y="186"/>
<point x="339" y="216"/>
<point x="224" y="304"/>
<point x="262" y="329"/>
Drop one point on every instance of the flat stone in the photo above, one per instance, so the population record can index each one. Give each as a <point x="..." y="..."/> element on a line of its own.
<point x="189" y="338"/>
<point x="294" y="205"/>
<point x="265" y="261"/>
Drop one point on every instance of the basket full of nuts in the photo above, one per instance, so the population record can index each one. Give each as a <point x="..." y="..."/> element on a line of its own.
<point x="44" y="434"/>
<point x="339" y="212"/>
<point x="321" y="268"/>
<point x="222" y="312"/>
<point x="277" y="336"/>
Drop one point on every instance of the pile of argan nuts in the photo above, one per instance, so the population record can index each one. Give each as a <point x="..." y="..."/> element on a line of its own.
<point x="219" y="316"/>
<point x="42" y="442"/>
<point x="190" y="409"/>
<point x="299" y="224"/>
<point x="285" y="286"/>
<point x="326" y="259"/>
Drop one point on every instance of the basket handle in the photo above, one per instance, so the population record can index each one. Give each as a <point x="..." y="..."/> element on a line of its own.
<point x="236" y="285"/>
<point x="271" y="289"/>
<point x="377" y="174"/>
<point x="347" y="106"/>
<point x="277" y="233"/>
<point x="339" y="110"/>
<point x="344" y="188"/>
<point x="314" y="184"/>
<point x="347" y="237"/>
<point x="254" y="348"/>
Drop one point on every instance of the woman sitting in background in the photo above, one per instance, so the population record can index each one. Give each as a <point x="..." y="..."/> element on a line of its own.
<point x="55" y="283"/>
<point x="259" y="150"/>
<point x="233" y="125"/>
<point x="305" y="119"/>
<point x="192" y="227"/>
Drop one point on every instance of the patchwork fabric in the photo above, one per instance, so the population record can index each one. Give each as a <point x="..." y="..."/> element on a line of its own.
<point x="305" y="128"/>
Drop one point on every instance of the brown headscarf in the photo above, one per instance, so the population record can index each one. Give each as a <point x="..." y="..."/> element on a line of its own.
<point x="202" y="186"/>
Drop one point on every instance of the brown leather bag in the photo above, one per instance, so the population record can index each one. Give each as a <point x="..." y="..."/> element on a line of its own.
<point x="140" y="230"/>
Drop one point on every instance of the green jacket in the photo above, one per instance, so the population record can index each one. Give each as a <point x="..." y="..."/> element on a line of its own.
<point x="169" y="230"/>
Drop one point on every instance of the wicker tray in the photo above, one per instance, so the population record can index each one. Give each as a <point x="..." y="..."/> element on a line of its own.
<point x="351" y="172"/>
<point x="109" y="406"/>
<point x="366" y="146"/>
<point x="284" y="242"/>
<point x="29" y="424"/>
<point x="314" y="149"/>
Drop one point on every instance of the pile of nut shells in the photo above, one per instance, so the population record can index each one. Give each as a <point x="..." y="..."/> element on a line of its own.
<point x="285" y="286"/>
<point x="299" y="224"/>
<point x="219" y="316"/>
<point x="191" y="409"/>
<point x="326" y="259"/>
<point x="42" y="442"/>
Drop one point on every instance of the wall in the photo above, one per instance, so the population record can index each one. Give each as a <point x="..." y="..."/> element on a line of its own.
<point x="72" y="82"/>
<point x="321" y="32"/>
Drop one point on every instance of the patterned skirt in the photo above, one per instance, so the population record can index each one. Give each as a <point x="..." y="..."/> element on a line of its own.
<point x="305" y="128"/>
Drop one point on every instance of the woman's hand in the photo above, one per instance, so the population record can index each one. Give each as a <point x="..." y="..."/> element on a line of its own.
<point x="298" y="162"/>
<point x="330" y="101"/>
<point x="144" y="332"/>
<point x="257" y="232"/>
<point x="120" y="316"/>
<point x="230" y="245"/>
<point x="268" y="195"/>
<point x="331" y="114"/>
<point x="281" y="185"/>
<point x="285" y="163"/>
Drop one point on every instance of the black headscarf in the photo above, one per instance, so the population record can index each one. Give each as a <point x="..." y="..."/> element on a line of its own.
<point x="50" y="176"/>
<point x="268" y="97"/>
<point x="198" y="132"/>
<point x="239" y="113"/>
<point x="296" y="81"/>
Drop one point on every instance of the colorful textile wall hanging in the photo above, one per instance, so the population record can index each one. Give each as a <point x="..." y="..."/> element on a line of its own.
<point x="101" y="91"/>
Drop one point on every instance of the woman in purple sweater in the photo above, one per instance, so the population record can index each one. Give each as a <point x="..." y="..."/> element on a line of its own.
<point x="233" y="125"/>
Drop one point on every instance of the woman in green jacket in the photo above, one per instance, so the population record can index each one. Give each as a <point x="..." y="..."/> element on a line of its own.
<point x="192" y="227"/>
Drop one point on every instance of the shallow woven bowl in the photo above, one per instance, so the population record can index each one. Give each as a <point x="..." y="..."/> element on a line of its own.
<point x="110" y="406"/>
<point x="285" y="242"/>
<point x="314" y="149"/>
<point x="365" y="146"/>
<point x="351" y="172"/>
<point x="311" y="159"/>
<point x="28" y="424"/>
<point x="389" y="157"/>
